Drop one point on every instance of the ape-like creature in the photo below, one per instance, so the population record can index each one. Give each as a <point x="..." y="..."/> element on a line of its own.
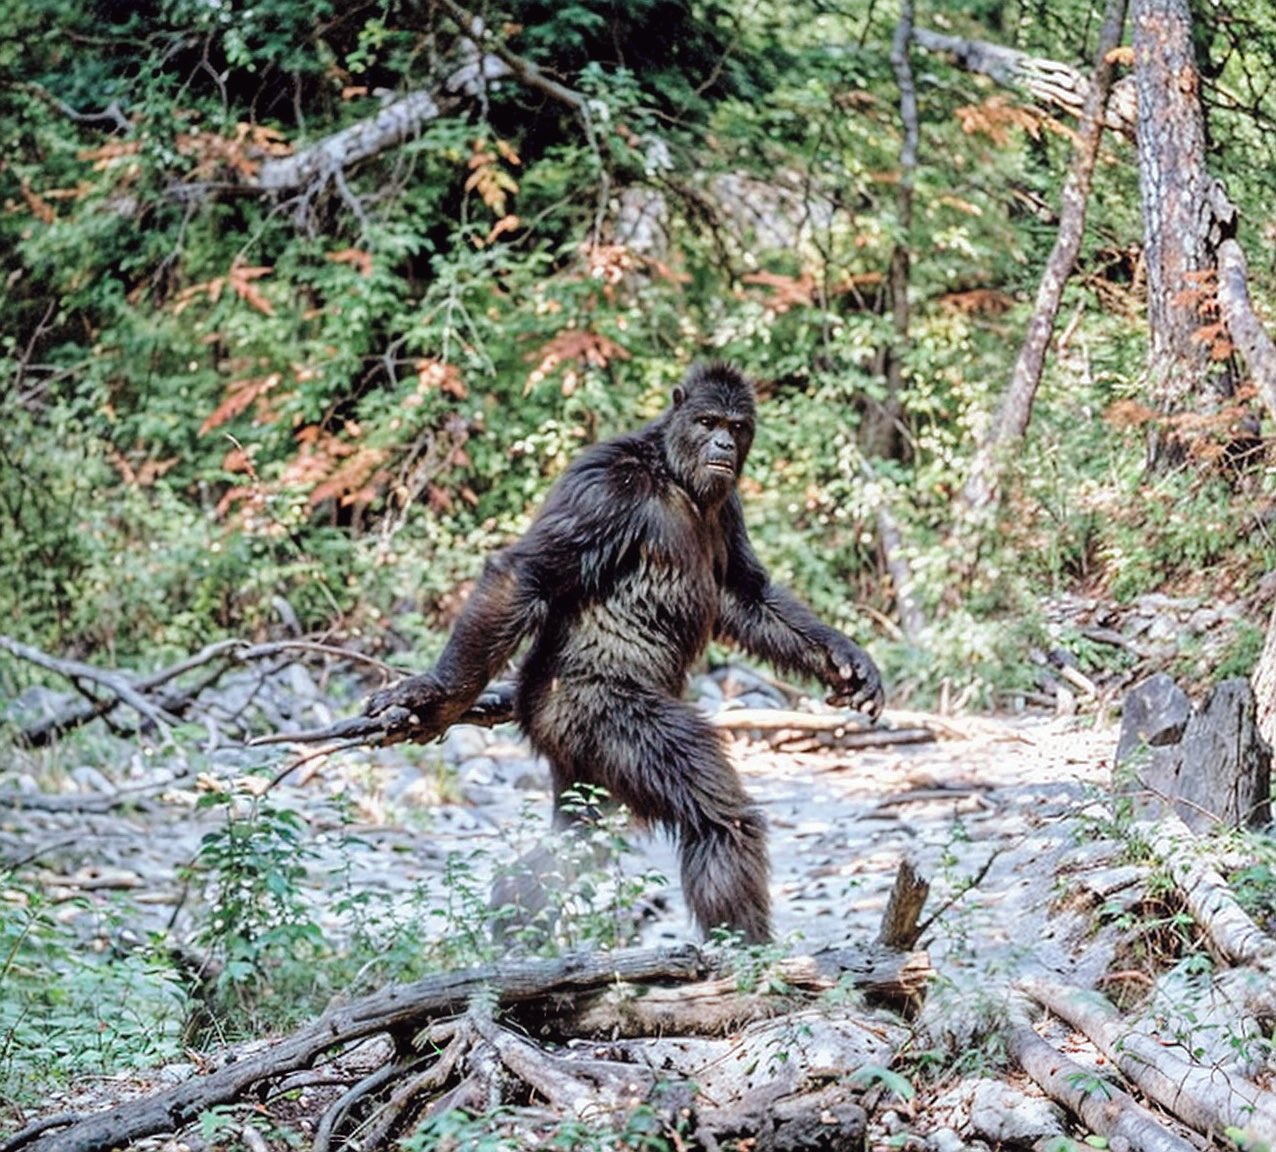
<point x="637" y="558"/>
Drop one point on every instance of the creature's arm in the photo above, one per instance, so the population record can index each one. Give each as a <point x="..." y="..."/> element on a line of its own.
<point x="768" y="621"/>
<point x="576" y="540"/>
<point x="505" y="607"/>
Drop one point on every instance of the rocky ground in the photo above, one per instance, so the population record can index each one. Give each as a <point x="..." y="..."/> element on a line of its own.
<point x="1008" y="817"/>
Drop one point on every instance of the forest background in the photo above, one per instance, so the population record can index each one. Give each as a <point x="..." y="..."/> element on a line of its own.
<point x="248" y="372"/>
<point x="307" y="304"/>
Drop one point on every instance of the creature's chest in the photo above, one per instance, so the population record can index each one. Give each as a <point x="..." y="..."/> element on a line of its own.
<point x="673" y="586"/>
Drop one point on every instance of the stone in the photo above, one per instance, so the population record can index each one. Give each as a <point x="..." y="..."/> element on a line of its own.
<point x="1225" y="766"/>
<point x="1155" y="713"/>
<point x="1213" y="770"/>
<point x="1005" y="1115"/>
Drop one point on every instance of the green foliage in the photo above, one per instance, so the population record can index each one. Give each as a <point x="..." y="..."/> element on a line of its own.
<point x="259" y="932"/>
<point x="590" y="899"/>
<point x="76" y="1001"/>
<point x="642" y="1129"/>
<point x="346" y="396"/>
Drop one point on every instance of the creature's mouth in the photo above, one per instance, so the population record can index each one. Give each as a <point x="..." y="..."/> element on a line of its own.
<point x="721" y="466"/>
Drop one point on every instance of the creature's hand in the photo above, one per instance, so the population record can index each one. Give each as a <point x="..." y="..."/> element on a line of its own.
<point x="854" y="678"/>
<point x="411" y="709"/>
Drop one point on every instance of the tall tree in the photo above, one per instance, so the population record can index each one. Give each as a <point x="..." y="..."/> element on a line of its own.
<point x="1012" y="418"/>
<point x="1181" y="228"/>
<point x="881" y="432"/>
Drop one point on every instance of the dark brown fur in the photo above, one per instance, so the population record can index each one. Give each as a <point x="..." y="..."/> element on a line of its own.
<point x="637" y="558"/>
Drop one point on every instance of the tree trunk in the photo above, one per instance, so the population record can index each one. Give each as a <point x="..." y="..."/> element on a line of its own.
<point x="880" y="434"/>
<point x="1011" y="421"/>
<point x="1180" y="226"/>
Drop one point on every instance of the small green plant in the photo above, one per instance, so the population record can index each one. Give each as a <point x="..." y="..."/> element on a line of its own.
<point x="870" y="1074"/>
<point x="73" y="1000"/>
<point x="580" y="893"/>
<point x="642" y="1129"/>
<point x="1091" y="1083"/>
<point x="258" y="929"/>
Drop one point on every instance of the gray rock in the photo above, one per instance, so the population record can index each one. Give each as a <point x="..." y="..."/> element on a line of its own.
<point x="945" y="1140"/>
<point x="1155" y="713"/>
<point x="90" y="779"/>
<point x="464" y="742"/>
<point x="1225" y="769"/>
<point x="1214" y="769"/>
<point x="1003" y="1114"/>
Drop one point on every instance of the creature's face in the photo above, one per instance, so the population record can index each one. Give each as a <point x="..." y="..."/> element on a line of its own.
<point x="709" y="431"/>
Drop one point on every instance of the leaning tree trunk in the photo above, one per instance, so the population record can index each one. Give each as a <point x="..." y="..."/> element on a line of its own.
<point x="1180" y="229"/>
<point x="1011" y="422"/>
<point x="1258" y="351"/>
<point x="880" y="433"/>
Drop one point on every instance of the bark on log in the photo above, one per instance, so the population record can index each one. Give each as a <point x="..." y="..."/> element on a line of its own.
<point x="1049" y="81"/>
<point x="539" y="994"/>
<point x="1197" y="1095"/>
<point x="1230" y="928"/>
<point x="900" y="928"/>
<point x="1106" y="1110"/>
<point x="397" y="1008"/>
<point x="897" y="979"/>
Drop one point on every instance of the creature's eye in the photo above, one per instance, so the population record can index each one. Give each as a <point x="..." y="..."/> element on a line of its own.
<point x="737" y="428"/>
<point x="705" y="421"/>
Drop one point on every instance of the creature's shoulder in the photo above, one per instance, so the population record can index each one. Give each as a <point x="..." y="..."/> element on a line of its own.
<point x="628" y="468"/>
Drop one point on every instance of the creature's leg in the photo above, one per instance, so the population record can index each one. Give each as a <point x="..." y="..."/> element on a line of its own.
<point x="665" y="761"/>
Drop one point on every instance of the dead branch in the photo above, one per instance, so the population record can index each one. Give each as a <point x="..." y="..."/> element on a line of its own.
<point x="1229" y="927"/>
<point x="1246" y="329"/>
<point x="393" y="1009"/>
<point x="530" y="75"/>
<point x="1049" y="81"/>
<point x="900" y="927"/>
<point x="496" y="706"/>
<point x="141" y="693"/>
<point x="1008" y="427"/>
<point x="1104" y="1108"/>
<point x="406" y="1095"/>
<point x="1198" y="1095"/>
<point x="121" y="688"/>
<point x="718" y="1004"/>
<point x="543" y="993"/>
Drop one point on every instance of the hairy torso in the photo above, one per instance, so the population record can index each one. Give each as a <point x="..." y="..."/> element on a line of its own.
<point x="637" y="615"/>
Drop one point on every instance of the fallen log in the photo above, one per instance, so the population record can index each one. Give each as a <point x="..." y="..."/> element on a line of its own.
<point x="1196" y="1094"/>
<point x="1100" y="1105"/>
<point x="562" y="994"/>
<point x="1231" y="931"/>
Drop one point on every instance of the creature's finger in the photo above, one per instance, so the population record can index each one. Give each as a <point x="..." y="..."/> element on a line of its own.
<point x="871" y="702"/>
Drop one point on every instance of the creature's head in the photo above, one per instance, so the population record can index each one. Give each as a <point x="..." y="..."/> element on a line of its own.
<point x="708" y="430"/>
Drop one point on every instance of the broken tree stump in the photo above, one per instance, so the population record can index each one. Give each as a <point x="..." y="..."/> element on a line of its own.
<point x="1211" y="766"/>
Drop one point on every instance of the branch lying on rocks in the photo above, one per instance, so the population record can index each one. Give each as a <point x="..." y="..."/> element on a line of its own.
<point x="153" y="696"/>
<point x="566" y="997"/>
<point x="1193" y="1092"/>
<point x="1104" y="1108"/>
<point x="1213" y="906"/>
